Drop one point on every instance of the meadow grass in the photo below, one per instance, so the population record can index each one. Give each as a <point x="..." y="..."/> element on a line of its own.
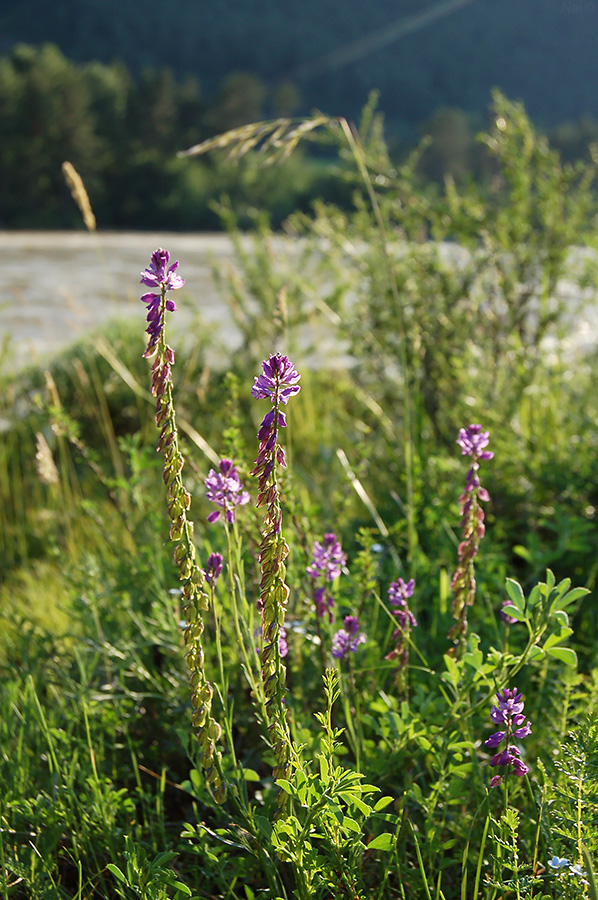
<point x="314" y="719"/>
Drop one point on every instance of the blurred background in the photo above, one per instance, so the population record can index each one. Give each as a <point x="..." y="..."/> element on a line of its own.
<point x="118" y="87"/>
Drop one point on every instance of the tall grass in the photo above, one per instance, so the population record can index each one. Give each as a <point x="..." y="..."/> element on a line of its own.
<point x="355" y="765"/>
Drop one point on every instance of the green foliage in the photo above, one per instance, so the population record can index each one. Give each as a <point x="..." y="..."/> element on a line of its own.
<point x="122" y="135"/>
<point x="388" y="791"/>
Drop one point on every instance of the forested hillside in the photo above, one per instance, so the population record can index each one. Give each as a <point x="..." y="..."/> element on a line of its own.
<point x="420" y="54"/>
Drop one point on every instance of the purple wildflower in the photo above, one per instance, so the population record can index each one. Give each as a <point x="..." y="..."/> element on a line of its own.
<point x="224" y="488"/>
<point x="508" y="712"/>
<point x="213" y="569"/>
<point x="327" y="562"/>
<point x="347" y="639"/>
<point x="399" y="592"/>
<point x="160" y="278"/>
<point x="279" y="380"/>
<point x="323" y="603"/>
<point x="328" y="558"/>
<point x="472" y="441"/>
<point x="282" y="642"/>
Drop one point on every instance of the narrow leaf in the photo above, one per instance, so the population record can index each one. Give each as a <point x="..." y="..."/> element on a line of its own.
<point x="116" y="872"/>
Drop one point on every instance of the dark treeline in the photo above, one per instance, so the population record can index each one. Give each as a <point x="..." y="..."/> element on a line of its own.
<point x="122" y="134"/>
<point x="542" y="52"/>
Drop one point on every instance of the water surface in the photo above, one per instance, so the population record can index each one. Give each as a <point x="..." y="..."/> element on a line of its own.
<point x="57" y="286"/>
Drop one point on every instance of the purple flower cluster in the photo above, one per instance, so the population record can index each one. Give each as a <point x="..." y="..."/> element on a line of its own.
<point x="283" y="646"/>
<point x="161" y="279"/>
<point x="399" y="592"/>
<point x="327" y="562"/>
<point x="213" y="569"/>
<point x="224" y="488"/>
<point x="278" y="382"/>
<point x="328" y="558"/>
<point x="508" y="712"/>
<point x="347" y="639"/>
<point x="472" y="441"/>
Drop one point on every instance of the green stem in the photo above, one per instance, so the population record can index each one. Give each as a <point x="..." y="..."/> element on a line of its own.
<point x="358" y="154"/>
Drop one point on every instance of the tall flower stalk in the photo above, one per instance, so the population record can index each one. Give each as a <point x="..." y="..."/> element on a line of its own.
<point x="399" y="593"/>
<point x="278" y="382"/>
<point x="473" y="442"/>
<point x="509" y="713"/>
<point x="162" y="278"/>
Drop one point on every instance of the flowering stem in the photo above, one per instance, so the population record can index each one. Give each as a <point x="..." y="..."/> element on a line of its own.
<point x="472" y="441"/>
<point x="235" y="589"/>
<point x="222" y="688"/>
<point x="278" y="382"/>
<point x="163" y="279"/>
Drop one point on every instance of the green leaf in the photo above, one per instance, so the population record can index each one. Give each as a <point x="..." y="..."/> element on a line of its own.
<point x="382" y="842"/>
<point x="510" y="610"/>
<point x="561" y="602"/>
<point x="163" y="858"/>
<point x="382" y="803"/>
<point x="473" y="659"/>
<point x="523" y="552"/>
<point x="116" y="872"/>
<point x="565" y="654"/>
<point x="453" y="671"/>
<point x="324" y="769"/>
<point x="264" y="825"/>
<point x="354" y="800"/>
<point x="536" y="653"/>
<point x="423" y="742"/>
<point x="516" y="595"/>
<point x="557" y="637"/>
<point x="534" y="597"/>
<point x="183" y="888"/>
<point x="351" y="824"/>
<point x="286" y="786"/>
<point x="576" y="593"/>
<point x="250" y="775"/>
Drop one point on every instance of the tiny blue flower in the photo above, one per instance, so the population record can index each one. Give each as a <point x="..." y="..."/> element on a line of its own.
<point x="577" y="870"/>
<point x="558" y="862"/>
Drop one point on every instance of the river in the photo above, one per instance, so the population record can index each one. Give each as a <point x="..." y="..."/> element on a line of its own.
<point x="57" y="286"/>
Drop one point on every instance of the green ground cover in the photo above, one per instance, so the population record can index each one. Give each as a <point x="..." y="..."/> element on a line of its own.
<point x="351" y="768"/>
